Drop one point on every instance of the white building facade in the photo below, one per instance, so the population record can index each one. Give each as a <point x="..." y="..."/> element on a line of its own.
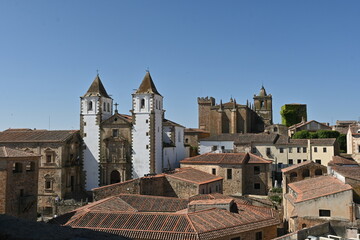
<point x="148" y="115"/>
<point x="96" y="106"/>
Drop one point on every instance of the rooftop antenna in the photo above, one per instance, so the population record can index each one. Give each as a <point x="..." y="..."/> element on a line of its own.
<point x="147" y="69"/>
<point x="97" y="72"/>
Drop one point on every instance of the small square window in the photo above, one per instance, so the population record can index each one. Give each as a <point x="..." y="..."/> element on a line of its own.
<point x="254" y="150"/>
<point x="304" y="149"/>
<point x="147" y="146"/>
<point x="291" y="161"/>
<point x="213" y="171"/>
<point x="17" y="167"/>
<point x="256" y="185"/>
<point x="258" y="236"/>
<point x="256" y="170"/>
<point x="324" y="149"/>
<point x="304" y="160"/>
<point x="318" y="161"/>
<point x="299" y="161"/>
<point x="324" y="213"/>
<point x="281" y="150"/>
<point x="315" y="149"/>
<point x="298" y="149"/>
<point x="290" y="149"/>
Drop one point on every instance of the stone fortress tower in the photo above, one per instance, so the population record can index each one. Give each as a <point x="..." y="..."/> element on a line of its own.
<point x="147" y="133"/>
<point x="231" y="117"/>
<point x="96" y="106"/>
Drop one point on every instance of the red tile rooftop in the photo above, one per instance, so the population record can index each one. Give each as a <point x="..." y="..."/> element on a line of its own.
<point x="6" y="152"/>
<point x="36" y="135"/>
<point x="193" y="175"/>
<point x="337" y="160"/>
<point x="226" y="158"/>
<point x="206" y="224"/>
<point x="317" y="187"/>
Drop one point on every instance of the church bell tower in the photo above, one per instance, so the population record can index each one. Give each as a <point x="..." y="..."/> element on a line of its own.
<point x="263" y="106"/>
<point x="148" y="114"/>
<point x="96" y="106"/>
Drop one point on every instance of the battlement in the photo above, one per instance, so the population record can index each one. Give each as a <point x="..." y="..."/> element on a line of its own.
<point x="206" y="100"/>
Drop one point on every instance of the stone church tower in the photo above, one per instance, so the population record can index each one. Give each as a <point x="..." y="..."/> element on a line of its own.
<point x="96" y="106"/>
<point x="263" y="106"/>
<point x="147" y="133"/>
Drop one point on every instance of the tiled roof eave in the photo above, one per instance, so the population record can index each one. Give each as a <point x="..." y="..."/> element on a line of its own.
<point x="216" y="233"/>
<point x="190" y="181"/>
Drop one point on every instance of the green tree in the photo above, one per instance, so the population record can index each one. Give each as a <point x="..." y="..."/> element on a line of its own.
<point x="303" y="134"/>
<point x="342" y="142"/>
<point x="328" y="134"/>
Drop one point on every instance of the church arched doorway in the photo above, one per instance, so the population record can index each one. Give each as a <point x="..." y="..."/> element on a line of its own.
<point x="114" y="177"/>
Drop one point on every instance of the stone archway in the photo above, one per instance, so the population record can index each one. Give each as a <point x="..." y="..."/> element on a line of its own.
<point x="114" y="177"/>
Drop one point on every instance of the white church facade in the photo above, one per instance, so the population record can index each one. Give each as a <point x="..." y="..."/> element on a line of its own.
<point x="119" y="147"/>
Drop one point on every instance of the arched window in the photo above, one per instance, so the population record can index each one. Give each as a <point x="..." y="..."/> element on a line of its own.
<point x="142" y="103"/>
<point x="156" y="102"/>
<point x="306" y="173"/>
<point x="186" y="140"/>
<point x="90" y="106"/>
<point x="114" y="177"/>
<point x="318" y="172"/>
<point x="104" y="106"/>
<point x="261" y="104"/>
<point x="108" y="107"/>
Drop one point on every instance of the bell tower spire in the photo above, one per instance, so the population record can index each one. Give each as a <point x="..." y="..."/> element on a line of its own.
<point x="96" y="106"/>
<point x="148" y="115"/>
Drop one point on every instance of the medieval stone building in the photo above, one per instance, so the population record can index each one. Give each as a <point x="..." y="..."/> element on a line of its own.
<point x="60" y="174"/>
<point x="119" y="147"/>
<point x="231" y="117"/>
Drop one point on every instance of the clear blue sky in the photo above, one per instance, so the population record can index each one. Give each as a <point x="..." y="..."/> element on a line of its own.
<point x="302" y="51"/>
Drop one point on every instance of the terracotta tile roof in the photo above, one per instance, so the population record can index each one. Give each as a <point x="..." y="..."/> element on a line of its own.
<point x="299" y="165"/>
<point x="195" y="130"/>
<point x="306" y="123"/>
<point x="337" y="160"/>
<point x="167" y="122"/>
<point x="313" y="142"/>
<point x="147" y="85"/>
<point x="207" y="224"/>
<point x="193" y="175"/>
<point x="316" y="187"/>
<point x="256" y="138"/>
<point x="238" y="200"/>
<point x="143" y="203"/>
<point x="6" y="152"/>
<point x="37" y="136"/>
<point x="222" y="137"/>
<point x="347" y="171"/>
<point x="225" y="158"/>
<point x="96" y="89"/>
<point x="355" y="130"/>
<point x="126" y="118"/>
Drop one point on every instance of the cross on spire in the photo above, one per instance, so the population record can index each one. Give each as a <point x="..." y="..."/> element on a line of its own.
<point x="116" y="104"/>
